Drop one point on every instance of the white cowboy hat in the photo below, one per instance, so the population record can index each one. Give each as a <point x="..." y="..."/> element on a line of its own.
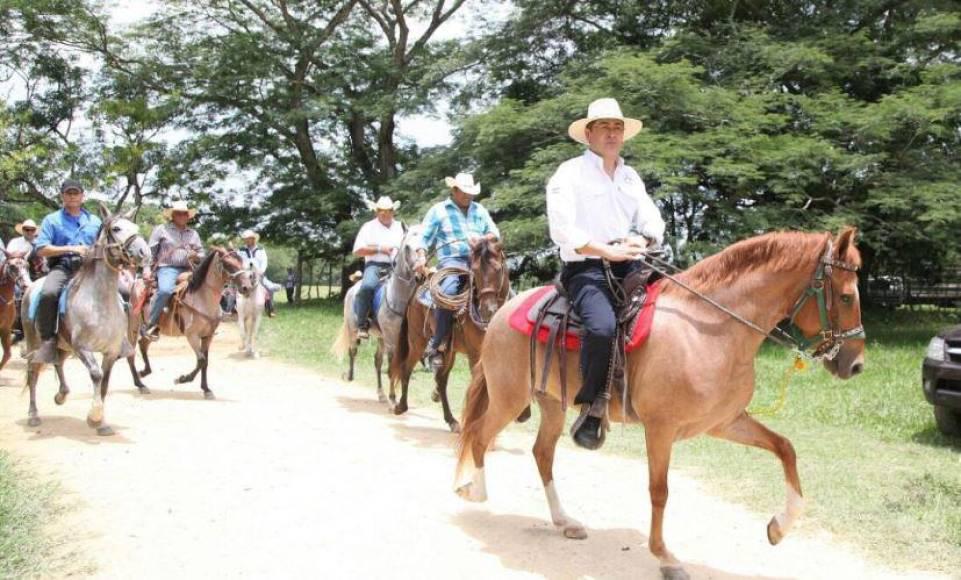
<point x="180" y="206"/>
<point x="463" y="182"/>
<point x="250" y="234"/>
<point x="603" y="109"/>
<point x="28" y="223"/>
<point x="383" y="204"/>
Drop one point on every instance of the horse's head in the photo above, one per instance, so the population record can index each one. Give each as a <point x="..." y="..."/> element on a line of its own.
<point x="15" y="269"/>
<point x="407" y="253"/>
<point x="121" y="240"/>
<point x="831" y="322"/>
<point x="233" y="269"/>
<point x="489" y="275"/>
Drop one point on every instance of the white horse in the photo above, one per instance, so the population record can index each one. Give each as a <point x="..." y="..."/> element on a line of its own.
<point x="250" y="309"/>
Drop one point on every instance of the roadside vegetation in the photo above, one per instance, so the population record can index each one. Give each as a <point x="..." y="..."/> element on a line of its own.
<point x="875" y="471"/>
<point x="25" y="505"/>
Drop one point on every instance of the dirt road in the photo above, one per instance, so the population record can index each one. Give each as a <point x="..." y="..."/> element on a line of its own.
<point x="289" y="474"/>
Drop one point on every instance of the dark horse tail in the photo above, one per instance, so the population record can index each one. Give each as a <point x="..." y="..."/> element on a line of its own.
<point x="472" y="420"/>
<point x="401" y="352"/>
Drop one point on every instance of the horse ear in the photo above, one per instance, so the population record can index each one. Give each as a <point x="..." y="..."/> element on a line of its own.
<point x="129" y="214"/>
<point x="103" y="211"/>
<point x="845" y="241"/>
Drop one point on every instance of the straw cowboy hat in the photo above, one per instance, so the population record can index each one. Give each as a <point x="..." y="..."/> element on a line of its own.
<point x="603" y="109"/>
<point x="250" y="234"/>
<point x="383" y="204"/>
<point x="179" y="206"/>
<point x="25" y="224"/>
<point x="463" y="182"/>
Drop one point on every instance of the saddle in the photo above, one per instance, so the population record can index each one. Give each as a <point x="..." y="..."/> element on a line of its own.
<point x="548" y="317"/>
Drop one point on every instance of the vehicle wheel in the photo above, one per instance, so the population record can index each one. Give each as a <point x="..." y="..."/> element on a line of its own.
<point x="948" y="420"/>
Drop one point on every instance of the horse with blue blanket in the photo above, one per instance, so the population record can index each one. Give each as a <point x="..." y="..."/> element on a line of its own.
<point x="387" y="313"/>
<point x="91" y="314"/>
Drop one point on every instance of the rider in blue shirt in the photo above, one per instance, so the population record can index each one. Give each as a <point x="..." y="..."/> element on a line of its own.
<point x="65" y="236"/>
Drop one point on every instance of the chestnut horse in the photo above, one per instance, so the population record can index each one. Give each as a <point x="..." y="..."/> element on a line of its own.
<point x="696" y="373"/>
<point x="13" y="271"/>
<point x="489" y="288"/>
<point x="198" y="314"/>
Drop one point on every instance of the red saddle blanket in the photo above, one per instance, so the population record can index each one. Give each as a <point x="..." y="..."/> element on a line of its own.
<point x="523" y="318"/>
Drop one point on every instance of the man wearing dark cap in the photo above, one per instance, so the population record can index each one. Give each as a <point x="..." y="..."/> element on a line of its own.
<point x="64" y="238"/>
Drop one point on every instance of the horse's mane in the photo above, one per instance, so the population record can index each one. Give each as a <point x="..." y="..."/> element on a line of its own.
<point x="200" y="274"/>
<point x="777" y="251"/>
<point x="486" y="250"/>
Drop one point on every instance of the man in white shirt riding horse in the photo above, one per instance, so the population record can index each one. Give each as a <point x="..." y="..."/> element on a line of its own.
<point x="376" y="242"/>
<point x="593" y="200"/>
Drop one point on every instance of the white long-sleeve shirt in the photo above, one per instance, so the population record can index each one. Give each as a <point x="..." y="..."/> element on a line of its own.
<point x="374" y="232"/>
<point x="585" y="205"/>
<point x="256" y="257"/>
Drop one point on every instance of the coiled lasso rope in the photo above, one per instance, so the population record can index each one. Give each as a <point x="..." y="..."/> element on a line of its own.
<point x="455" y="302"/>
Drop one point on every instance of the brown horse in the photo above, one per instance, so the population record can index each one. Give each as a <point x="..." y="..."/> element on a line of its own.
<point x="489" y="288"/>
<point x="13" y="271"/>
<point x="696" y="373"/>
<point x="197" y="314"/>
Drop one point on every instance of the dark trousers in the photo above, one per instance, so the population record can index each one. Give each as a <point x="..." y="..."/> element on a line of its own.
<point x="592" y="300"/>
<point x="53" y="284"/>
<point x="290" y="295"/>
<point x="365" y="294"/>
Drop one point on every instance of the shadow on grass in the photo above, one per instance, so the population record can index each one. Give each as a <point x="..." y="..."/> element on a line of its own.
<point x="931" y="437"/>
<point x="534" y="546"/>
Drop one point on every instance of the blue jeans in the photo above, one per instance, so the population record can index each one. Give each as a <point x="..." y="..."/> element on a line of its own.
<point x="443" y="318"/>
<point x="365" y="294"/>
<point x="166" y="282"/>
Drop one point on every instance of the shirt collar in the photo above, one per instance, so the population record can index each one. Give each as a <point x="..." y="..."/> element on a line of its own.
<point x="450" y="203"/>
<point x="65" y="215"/>
<point x="598" y="161"/>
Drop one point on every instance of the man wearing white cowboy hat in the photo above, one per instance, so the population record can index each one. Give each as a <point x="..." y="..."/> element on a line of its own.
<point x="24" y="244"/>
<point x="598" y="180"/>
<point x="174" y="248"/>
<point x="255" y="257"/>
<point x="450" y="226"/>
<point x="376" y="242"/>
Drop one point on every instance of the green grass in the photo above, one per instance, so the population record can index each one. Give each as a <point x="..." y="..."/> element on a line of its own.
<point x="25" y="504"/>
<point x="875" y="471"/>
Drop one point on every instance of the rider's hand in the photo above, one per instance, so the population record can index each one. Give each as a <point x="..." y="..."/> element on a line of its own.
<point x="637" y="241"/>
<point x="420" y="265"/>
<point x="80" y="250"/>
<point x="621" y="252"/>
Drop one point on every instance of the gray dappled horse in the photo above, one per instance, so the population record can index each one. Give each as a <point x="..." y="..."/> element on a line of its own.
<point x="398" y="291"/>
<point x="95" y="320"/>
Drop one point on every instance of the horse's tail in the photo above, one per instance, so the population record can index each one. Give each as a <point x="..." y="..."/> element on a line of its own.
<point x="342" y="345"/>
<point x="401" y="352"/>
<point x="472" y="420"/>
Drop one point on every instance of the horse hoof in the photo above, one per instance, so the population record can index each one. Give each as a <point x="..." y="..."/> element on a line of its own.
<point x="525" y="415"/>
<point x="59" y="398"/>
<point x="774" y="533"/>
<point x="346" y="377"/>
<point x="466" y="493"/>
<point x="33" y="422"/>
<point x="144" y="373"/>
<point x="144" y="390"/>
<point x="180" y="380"/>
<point x="400" y="409"/>
<point x="574" y="531"/>
<point x="95" y="417"/>
<point x="209" y="395"/>
<point x="104" y="431"/>
<point x="454" y="427"/>
<point x="435" y="396"/>
<point x="674" y="573"/>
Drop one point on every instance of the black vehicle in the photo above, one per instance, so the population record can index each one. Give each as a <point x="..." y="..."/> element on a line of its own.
<point x="941" y="379"/>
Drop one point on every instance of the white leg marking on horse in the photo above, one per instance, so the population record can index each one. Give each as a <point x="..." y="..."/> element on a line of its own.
<point x="792" y="511"/>
<point x="570" y="527"/>
<point x="478" y="488"/>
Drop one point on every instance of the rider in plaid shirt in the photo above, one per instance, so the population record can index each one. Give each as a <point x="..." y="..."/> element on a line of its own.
<point x="449" y="226"/>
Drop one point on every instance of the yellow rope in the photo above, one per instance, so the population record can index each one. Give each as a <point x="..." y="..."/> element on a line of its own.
<point x="449" y="302"/>
<point x="797" y="365"/>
